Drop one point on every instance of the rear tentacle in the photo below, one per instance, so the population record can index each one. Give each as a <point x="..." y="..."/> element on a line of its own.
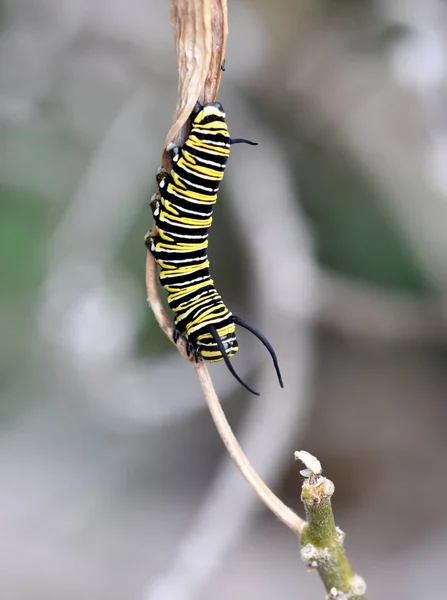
<point x="216" y="338"/>
<point x="264" y="340"/>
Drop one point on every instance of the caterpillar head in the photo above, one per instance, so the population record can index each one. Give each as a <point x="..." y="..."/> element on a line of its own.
<point x="224" y="345"/>
<point x="202" y="111"/>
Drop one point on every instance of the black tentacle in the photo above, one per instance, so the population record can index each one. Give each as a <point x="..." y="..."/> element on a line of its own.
<point x="242" y="141"/>
<point x="264" y="340"/>
<point x="226" y="358"/>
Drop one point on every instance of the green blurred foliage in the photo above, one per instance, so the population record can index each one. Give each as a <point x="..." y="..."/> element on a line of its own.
<point x="23" y="232"/>
<point x="354" y="235"/>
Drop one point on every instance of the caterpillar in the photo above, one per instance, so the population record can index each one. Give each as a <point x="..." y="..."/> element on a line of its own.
<point x="182" y="209"/>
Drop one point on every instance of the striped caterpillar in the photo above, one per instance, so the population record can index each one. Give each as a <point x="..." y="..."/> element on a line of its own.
<point x="183" y="209"/>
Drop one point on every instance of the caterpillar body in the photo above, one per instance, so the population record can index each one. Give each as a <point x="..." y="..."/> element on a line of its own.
<point x="182" y="210"/>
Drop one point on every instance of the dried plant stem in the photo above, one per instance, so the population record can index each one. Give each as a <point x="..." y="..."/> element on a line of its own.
<point x="283" y="512"/>
<point x="200" y="33"/>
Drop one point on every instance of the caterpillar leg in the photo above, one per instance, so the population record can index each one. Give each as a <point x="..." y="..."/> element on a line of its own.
<point x="155" y="205"/>
<point x="150" y="241"/>
<point x="161" y="174"/>
<point x="172" y="149"/>
<point x="176" y="335"/>
<point x="194" y="350"/>
<point x="190" y="348"/>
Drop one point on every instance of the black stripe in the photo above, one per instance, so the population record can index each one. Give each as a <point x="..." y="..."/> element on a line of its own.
<point x="208" y="191"/>
<point x="185" y="203"/>
<point x="224" y="322"/>
<point x="208" y="119"/>
<point x="182" y="305"/>
<point x="176" y="305"/>
<point x="200" y="154"/>
<point x="196" y="235"/>
<point x="211" y="139"/>
<point x="192" y="255"/>
<point x="193" y="178"/>
<point x="180" y="194"/>
<point x="185" y="279"/>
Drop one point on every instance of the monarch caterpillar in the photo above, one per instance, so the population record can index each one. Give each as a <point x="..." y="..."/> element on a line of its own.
<point x="182" y="209"/>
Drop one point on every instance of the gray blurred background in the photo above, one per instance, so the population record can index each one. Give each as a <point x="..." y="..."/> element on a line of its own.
<point x="330" y="237"/>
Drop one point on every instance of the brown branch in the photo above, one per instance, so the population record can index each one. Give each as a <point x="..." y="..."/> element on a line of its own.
<point x="200" y="32"/>
<point x="156" y="304"/>
<point x="192" y="20"/>
<point x="283" y="512"/>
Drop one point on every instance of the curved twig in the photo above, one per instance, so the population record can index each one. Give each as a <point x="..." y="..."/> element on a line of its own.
<point x="214" y="42"/>
<point x="266" y="432"/>
<point x="285" y="514"/>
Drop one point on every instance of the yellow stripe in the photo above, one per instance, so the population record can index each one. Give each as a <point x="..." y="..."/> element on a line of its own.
<point x="209" y="111"/>
<point x="174" y="293"/>
<point x="164" y="236"/>
<point x="195" y="302"/>
<point x="193" y="195"/>
<point x="187" y="269"/>
<point x="178" y="181"/>
<point x="211" y="129"/>
<point x="211" y="149"/>
<point x="208" y="172"/>
<point x="181" y="247"/>
<point x="187" y="220"/>
<point x="216" y="311"/>
<point x="169" y="207"/>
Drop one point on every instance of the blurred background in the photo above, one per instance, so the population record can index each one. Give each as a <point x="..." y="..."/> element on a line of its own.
<point x="329" y="236"/>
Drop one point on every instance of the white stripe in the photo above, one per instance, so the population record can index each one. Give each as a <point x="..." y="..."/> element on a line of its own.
<point x="177" y="250"/>
<point x="211" y="322"/>
<point x="189" y="237"/>
<point x="165" y="219"/>
<point x="202" y="293"/>
<point x="211" y="132"/>
<point x="199" y="187"/>
<point x="182" y="226"/>
<point x="194" y="212"/>
<point x="169" y="274"/>
<point x="204" y="161"/>
<point x="197" y="174"/>
<point x="193" y="308"/>
<point x="174" y="193"/>
<point x="183" y="284"/>
<point x="211" y="143"/>
<point x="186" y="260"/>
